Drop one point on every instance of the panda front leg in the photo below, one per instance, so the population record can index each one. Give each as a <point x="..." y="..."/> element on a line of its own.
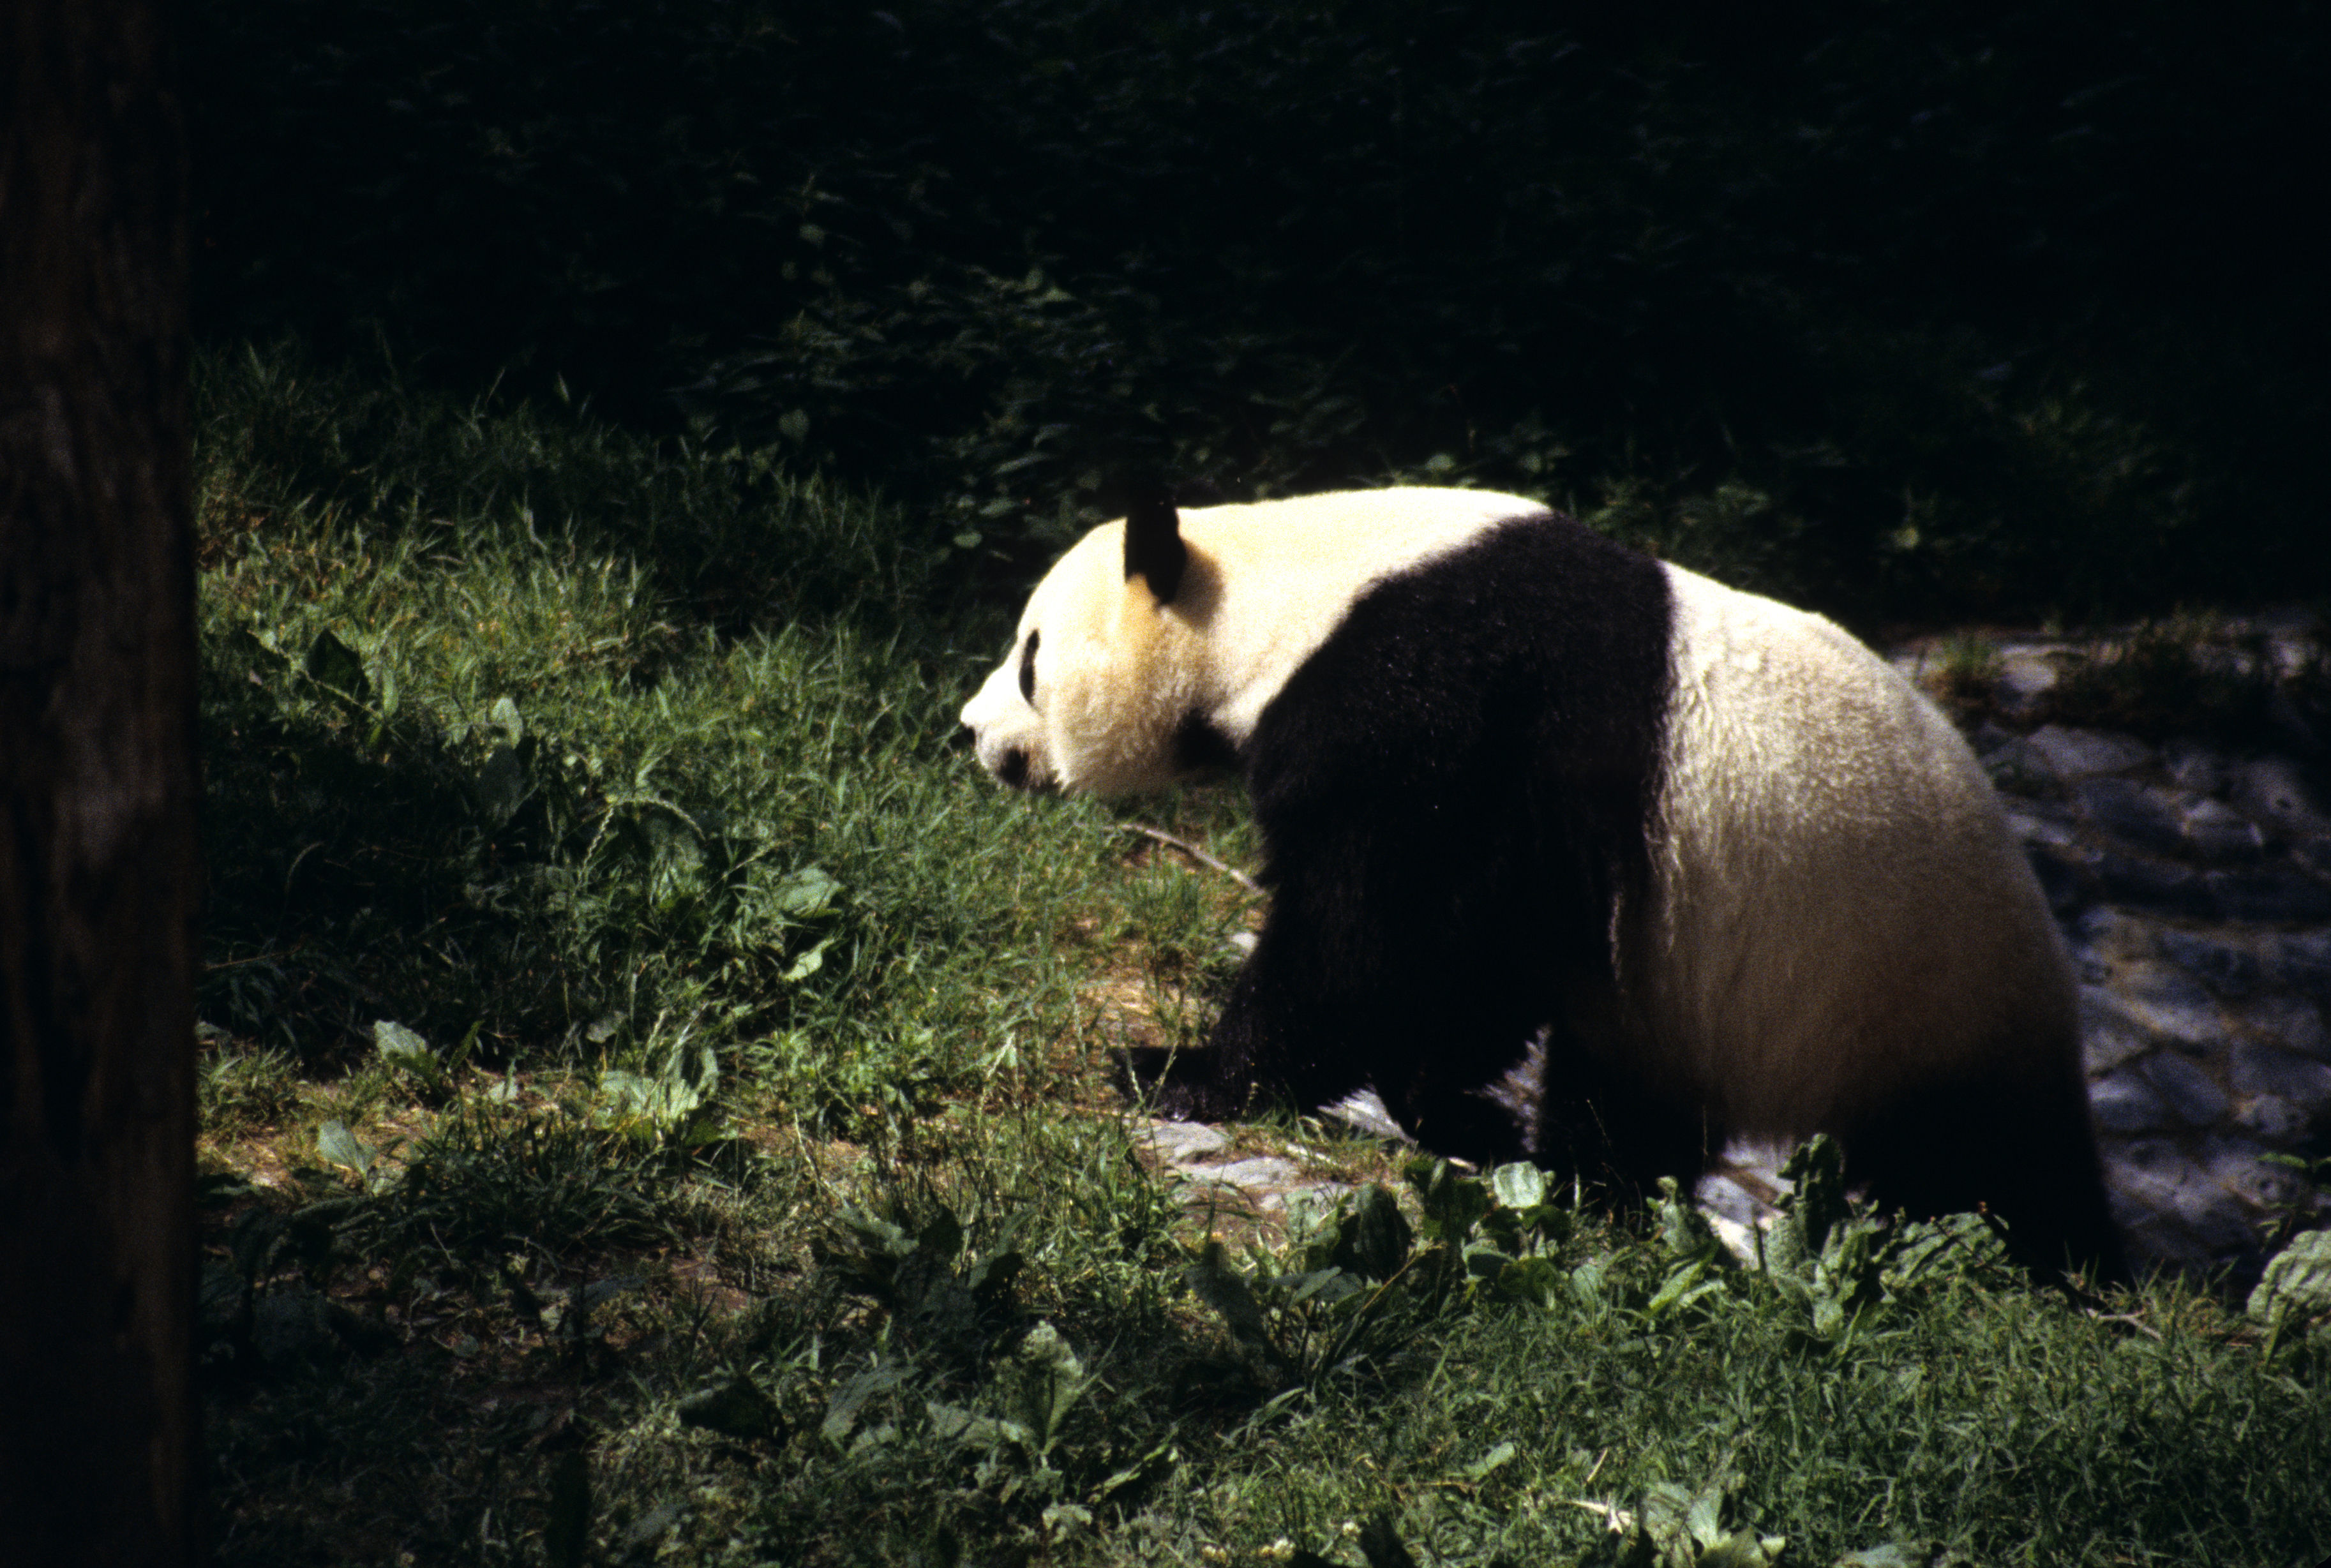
<point x="1345" y="990"/>
<point x="1266" y="1046"/>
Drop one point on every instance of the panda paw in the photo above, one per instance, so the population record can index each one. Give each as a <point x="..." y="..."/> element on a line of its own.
<point x="1172" y="1085"/>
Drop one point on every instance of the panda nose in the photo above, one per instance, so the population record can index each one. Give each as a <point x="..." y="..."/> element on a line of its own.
<point x="1014" y="769"/>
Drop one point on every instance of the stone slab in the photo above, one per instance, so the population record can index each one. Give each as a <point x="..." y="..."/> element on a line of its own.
<point x="2078" y="754"/>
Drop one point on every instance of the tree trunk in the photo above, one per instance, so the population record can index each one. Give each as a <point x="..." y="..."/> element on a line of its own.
<point x="98" y="869"/>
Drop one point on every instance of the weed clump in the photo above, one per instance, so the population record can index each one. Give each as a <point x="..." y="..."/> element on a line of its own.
<point x="2184" y="676"/>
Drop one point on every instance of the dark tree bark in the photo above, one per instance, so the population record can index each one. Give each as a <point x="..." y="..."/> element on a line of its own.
<point x="98" y="870"/>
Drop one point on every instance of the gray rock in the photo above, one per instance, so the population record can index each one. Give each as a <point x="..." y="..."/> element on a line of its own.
<point x="2108" y="1039"/>
<point x="2153" y="884"/>
<point x="1179" y="1143"/>
<point x="2312" y="855"/>
<point x="2145" y="817"/>
<point x="2218" y="832"/>
<point x="2292" y="1023"/>
<point x="2274" y="1121"/>
<point x="2152" y="1239"/>
<point x="2078" y="754"/>
<point x="2272" y="894"/>
<point x="2238" y="1166"/>
<point x="2153" y="1176"/>
<point x="2186" y="1089"/>
<point x="2254" y="1070"/>
<point x="2125" y="1103"/>
<point x="2169" y="1004"/>
<point x="1987" y="737"/>
<point x="2273" y="789"/>
<point x="2061" y="873"/>
<point x="2303" y="962"/>
<point x="2029" y="824"/>
<point x="2024" y="673"/>
<point x="2196" y="768"/>
<point x="1256" y="1173"/>
<point x="294" y="1325"/>
<point x="2019" y="768"/>
<point x="2224" y="968"/>
<point x="2117" y="934"/>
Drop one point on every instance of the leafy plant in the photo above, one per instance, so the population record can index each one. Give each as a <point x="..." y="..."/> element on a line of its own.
<point x="1963" y="676"/>
<point x="2178" y="677"/>
<point x="488" y="1182"/>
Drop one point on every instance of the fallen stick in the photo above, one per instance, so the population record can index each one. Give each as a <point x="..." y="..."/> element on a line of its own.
<point x="1195" y="853"/>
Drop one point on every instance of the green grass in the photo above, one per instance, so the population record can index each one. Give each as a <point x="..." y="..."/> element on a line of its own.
<point x="474" y="771"/>
<point x="753" y="1192"/>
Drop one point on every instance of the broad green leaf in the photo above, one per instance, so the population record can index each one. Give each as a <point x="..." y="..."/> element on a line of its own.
<point x="1221" y="1286"/>
<point x="2296" y="1283"/>
<point x="1063" y="1516"/>
<point x="1452" y="1203"/>
<point x="1520" y="1185"/>
<point x="1681" y="1286"/>
<point x="806" y="892"/>
<point x="1500" y="1455"/>
<point x="1042" y="1383"/>
<point x="1377" y="1237"/>
<point x="401" y="1045"/>
<point x="660" y="1101"/>
<point x="337" y="667"/>
<point x="1536" y="1280"/>
<point x="505" y="717"/>
<point x="734" y="1409"/>
<point x="843" y="1410"/>
<point x="1913" y="1553"/>
<point x="500" y="787"/>
<point x="344" y="1149"/>
<point x="808" y="964"/>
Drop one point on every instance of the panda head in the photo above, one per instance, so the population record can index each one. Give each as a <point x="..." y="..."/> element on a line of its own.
<point x="1152" y="649"/>
<point x="1105" y="686"/>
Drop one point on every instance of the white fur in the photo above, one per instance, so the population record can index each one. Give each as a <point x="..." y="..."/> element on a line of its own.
<point x="1836" y="885"/>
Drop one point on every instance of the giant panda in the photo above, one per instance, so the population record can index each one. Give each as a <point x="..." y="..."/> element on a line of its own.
<point x="1712" y="867"/>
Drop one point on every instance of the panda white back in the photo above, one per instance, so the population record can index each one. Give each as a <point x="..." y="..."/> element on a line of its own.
<point x="1842" y="907"/>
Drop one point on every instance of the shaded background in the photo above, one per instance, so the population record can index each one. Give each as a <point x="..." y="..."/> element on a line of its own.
<point x="1907" y="309"/>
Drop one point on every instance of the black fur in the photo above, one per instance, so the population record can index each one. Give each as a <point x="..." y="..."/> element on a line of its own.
<point x="1153" y="547"/>
<point x="1200" y="747"/>
<point x="1514" y="695"/>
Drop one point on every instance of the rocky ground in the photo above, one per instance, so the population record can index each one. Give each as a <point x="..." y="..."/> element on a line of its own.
<point x="2192" y="881"/>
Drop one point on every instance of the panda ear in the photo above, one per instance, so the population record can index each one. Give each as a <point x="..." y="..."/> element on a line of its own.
<point x="1153" y="545"/>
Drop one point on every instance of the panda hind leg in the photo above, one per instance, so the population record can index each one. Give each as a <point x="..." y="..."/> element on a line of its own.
<point x="2026" y="1154"/>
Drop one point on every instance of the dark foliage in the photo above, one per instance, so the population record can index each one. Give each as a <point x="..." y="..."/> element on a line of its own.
<point x="1947" y="306"/>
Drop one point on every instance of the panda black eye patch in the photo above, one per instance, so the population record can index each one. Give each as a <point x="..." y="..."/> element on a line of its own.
<point x="1028" y="670"/>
